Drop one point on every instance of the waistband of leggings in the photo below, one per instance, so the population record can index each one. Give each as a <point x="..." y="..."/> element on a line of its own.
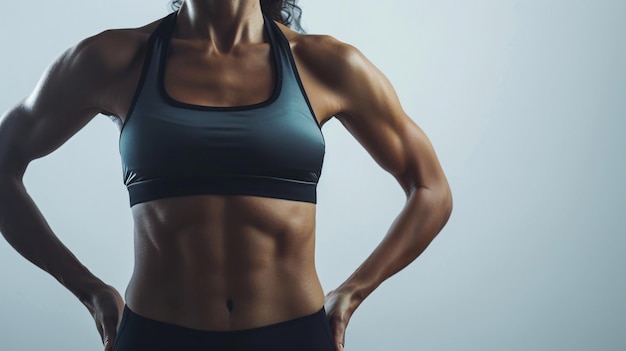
<point x="299" y="321"/>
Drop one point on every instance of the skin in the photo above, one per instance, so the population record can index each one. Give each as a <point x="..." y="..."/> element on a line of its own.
<point x="195" y="254"/>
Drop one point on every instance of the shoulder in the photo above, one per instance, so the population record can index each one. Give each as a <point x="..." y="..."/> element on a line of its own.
<point x="323" y="46"/>
<point x="348" y="77"/>
<point x="95" y="72"/>
<point x="109" y="51"/>
<point x="330" y="59"/>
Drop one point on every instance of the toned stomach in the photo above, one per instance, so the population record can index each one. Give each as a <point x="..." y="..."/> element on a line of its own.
<point x="224" y="262"/>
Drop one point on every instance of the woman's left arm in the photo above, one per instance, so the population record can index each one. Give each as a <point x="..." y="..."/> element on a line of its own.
<point x="370" y="110"/>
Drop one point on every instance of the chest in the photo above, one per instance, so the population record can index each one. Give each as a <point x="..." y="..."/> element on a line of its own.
<point x="201" y="76"/>
<point x="207" y="116"/>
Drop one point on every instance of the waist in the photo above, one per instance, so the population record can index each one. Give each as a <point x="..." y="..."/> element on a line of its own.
<point x="224" y="263"/>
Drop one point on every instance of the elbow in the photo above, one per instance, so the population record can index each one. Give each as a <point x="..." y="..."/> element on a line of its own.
<point x="441" y="203"/>
<point x="438" y="199"/>
<point x="8" y="180"/>
<point x="446" y="204"/>
<point x="8" y="183"/>
<point x="12" y="169"/>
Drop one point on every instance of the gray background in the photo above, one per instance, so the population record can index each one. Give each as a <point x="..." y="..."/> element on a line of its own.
<point x="524" y="102"/>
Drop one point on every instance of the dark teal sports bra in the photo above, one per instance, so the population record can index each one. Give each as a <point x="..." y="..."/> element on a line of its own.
<point x="271" y="149"/>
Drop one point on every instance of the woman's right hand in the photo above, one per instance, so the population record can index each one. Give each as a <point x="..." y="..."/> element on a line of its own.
<point x="106" y="306"/>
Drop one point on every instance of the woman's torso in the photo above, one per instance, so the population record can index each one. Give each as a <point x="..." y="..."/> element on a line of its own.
<point x="195" y="254"/>
<point x="217" y="262"/>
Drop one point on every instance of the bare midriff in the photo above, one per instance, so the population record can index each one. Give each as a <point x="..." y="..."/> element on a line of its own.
<point x="222" y="263"/>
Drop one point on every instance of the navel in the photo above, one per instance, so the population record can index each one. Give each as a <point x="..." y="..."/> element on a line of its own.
<point x="230" y="305"/>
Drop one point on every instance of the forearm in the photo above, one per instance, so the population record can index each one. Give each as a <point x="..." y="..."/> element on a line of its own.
<point x="423" y="216"/>
<point x="27" y="231"/>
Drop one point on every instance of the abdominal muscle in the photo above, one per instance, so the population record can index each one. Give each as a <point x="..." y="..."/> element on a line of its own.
<point x="224" y="262"/>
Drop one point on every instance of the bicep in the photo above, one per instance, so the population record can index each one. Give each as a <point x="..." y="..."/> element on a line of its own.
<point x="372" y="113"/>
<point x="58" y="107"/>
<point x="26" y="135"/>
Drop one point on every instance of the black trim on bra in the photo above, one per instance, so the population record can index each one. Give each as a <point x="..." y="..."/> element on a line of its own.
<point x="234" y="184"/>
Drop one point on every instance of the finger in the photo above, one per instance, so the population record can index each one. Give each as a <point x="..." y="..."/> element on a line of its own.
<point x="339" y="335"/>
<point x="108" y="343"/>
<point x="100" y="331"/>
<point x="109" y="338"/>
<point x="339" y="346"/>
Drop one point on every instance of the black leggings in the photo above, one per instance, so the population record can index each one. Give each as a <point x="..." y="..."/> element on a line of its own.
<point x="308" y="333"/>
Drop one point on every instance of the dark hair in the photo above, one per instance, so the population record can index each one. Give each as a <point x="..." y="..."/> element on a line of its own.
<point x="286" y="12"/>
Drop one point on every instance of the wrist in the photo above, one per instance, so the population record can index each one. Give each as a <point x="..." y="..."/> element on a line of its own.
<point x="82" y="284"/>
<point x="355" y="291"/>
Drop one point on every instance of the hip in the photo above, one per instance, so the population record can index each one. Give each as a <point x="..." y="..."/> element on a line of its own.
<point x="306" y="333"/>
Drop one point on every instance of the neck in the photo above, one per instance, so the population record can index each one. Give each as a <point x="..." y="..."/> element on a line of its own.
<point x="225" y="23"/>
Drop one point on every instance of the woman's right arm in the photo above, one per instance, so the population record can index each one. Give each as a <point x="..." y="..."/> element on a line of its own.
<point x="74" y="89"/>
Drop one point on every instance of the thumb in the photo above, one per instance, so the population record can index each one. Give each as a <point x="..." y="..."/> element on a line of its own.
<point x="109" y="331"/>
<point x="108" y="340"/>
<point x="339" y="335"/>
<point x="338" y="328"/>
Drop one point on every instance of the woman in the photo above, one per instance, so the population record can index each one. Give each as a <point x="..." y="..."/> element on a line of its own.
<point x="221" y="106"/>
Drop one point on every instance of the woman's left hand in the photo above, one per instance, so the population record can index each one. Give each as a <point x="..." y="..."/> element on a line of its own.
<point x="339" y="307"/>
